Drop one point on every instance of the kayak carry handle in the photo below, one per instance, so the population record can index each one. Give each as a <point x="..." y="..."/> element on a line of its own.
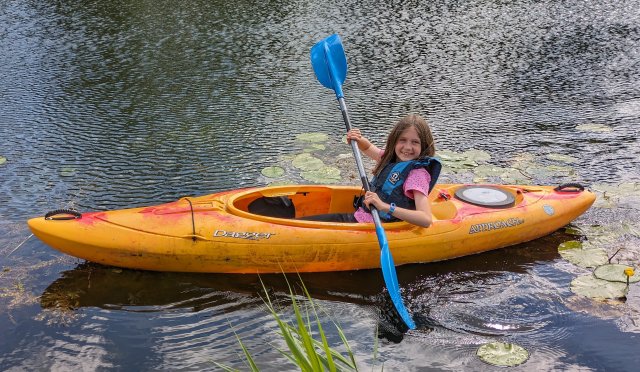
<point x="571" y="186"/>
<point x="67" y="214"/>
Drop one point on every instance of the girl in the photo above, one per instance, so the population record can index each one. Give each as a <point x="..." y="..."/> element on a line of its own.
<point x="403" y="175"/>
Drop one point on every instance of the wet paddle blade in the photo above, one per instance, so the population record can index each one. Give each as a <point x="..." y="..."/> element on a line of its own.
<point x="330" y="63"/>
<point x="391" y="279"/>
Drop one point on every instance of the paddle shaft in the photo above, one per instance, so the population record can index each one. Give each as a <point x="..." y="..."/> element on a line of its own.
<point x="356" y="154"/>
<point x="354" y="145"/>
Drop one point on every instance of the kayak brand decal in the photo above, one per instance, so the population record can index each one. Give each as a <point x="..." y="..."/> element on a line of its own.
<point x="242" y="235"/>
<point x="548" y="210"/>
<point x="482" y="227"/>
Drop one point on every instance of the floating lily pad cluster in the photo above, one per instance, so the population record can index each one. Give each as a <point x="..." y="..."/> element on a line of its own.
<point x="524" y="168"/>
<point x="309" y="167"/>
<point x="611" y="196"/>
<point x="607" y="281"/>
<point x="318" y="163"/>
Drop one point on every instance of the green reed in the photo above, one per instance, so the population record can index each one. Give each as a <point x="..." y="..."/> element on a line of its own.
<point x="308" y="349"/>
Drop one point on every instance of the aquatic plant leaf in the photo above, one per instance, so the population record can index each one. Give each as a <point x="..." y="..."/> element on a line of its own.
<point x="562" y="158"/>
<point x="514" y="176"/>
<point x="502" y="354"/>
<point x="448" y="155"/>
<point x="2" y="160"/>
<point x="273" y="172"/>
<point x="307" y="162"/>
<point x="486" y="170"/>
<point x="538" y="171"/>
<point x="315" y="147"/>
<point x="615" y="273"/>
<point x="67" y="172"/>
<point x="610" y="196"/>
<point x="594" y="128"/>
<point x="525" y="158"/>
<point x="590" y="286"/>
<point x="280" y="183"/>
<point x="322" y="175"/>
<point x="571" y="244"/>
<point x="624" y="189"/>
<point x="563" y="170"/>
<point x="585" y="257"/>
<point x="477" y="155"/>
<point x="312" y="137"/>
<point x="572" y="231"/>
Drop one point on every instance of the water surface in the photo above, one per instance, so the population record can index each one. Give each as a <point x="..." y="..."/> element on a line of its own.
<point x="115" y="104"/>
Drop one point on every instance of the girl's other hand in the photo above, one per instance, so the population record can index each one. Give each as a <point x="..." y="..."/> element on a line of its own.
<point x="371" y="198"/>
<point x="354" y="134"/>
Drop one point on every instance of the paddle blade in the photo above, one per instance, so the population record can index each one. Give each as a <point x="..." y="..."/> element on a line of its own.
<point x="330" y="63"/>
<point x="391" y="278"/>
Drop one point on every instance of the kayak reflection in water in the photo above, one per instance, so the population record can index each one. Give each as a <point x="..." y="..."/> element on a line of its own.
<point x="404" y="174"/>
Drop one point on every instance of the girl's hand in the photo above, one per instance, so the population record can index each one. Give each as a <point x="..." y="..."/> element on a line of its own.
<point x="362" y="142"/>
<point x="371" y="198"/>
<point x="367" y="148"/>
<point x="421" y="216"/>
<point x="353" y="134"/>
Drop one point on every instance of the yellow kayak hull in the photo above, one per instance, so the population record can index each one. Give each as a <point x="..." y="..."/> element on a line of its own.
<point x="217" y="233"/>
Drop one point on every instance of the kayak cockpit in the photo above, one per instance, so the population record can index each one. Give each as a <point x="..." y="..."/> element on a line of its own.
<point x="294" y="201"/>
<point x="286" y="204"/>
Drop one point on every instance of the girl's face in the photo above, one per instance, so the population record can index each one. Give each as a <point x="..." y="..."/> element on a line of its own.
<point x="408" y="145"/>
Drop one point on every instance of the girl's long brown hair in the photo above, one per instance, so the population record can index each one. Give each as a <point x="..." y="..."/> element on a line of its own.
<point x="427" y="145"/>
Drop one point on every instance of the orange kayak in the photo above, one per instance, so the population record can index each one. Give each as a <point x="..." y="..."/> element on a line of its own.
<point x="258" y="230"/>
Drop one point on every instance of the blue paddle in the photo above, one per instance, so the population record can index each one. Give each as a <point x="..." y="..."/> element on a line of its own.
<point x="330" y="65"/>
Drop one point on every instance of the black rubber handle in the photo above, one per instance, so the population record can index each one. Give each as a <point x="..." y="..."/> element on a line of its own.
<point x="68" y="214"/>
<point x="571" y="186"/>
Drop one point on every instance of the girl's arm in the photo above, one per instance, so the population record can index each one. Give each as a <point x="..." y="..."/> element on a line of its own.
<point x="365" y="146"/>
<point x="420" y="217"/>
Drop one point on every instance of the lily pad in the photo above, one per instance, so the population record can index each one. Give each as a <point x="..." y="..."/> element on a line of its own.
<point x="585" y="257"/>
<point x="525" y="158"/>
<point x="322" y="175"/>
<point x="315" y="147"/>
<point x="610" y="196"/>
<point x="615" y="273"/>
<point x="590" y="286"/>
<point x="562" y="158"/>
<point x="571" y="244"/>
<point x="625" y="189"/>
<point x="502" y="354"/>
<point x="595" y="128"/>
<point x="2" y="160"/>
<point x="307" y="162"/>
<point x="570" y="230"/>
<point x="488" y="171"/>
<point x="477" y="155"/>
<point x="273" y="172"/>
<point x="561" y="170"/>
<point x="312" y="137"/>
<point x="280" y="183"/>
<point x="514" y="177"/>
<point x="67" y="172"/>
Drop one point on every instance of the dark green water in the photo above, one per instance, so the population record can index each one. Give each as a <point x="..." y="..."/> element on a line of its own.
<point x="112" y="104"/>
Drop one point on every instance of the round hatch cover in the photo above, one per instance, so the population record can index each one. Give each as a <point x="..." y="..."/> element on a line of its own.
<point x="486" y="196"/>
